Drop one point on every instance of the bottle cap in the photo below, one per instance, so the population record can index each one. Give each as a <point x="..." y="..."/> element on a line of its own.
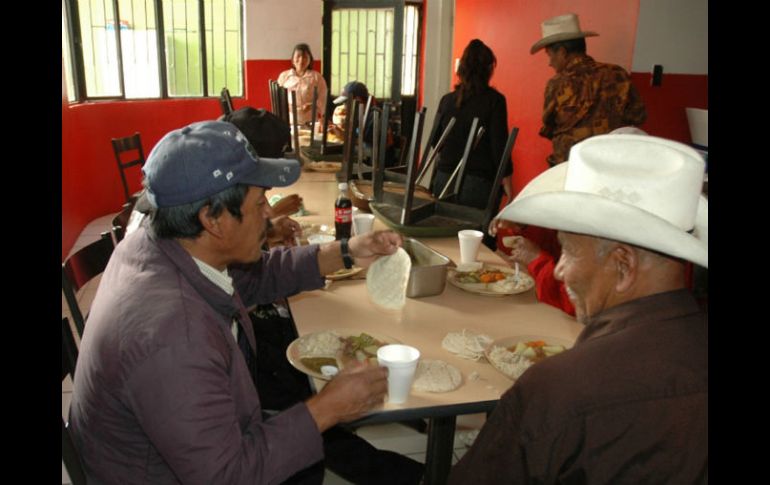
<point x="342" y="186"/>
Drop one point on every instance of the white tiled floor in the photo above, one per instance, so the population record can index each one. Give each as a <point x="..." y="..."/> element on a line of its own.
<point x="394" y="437"/>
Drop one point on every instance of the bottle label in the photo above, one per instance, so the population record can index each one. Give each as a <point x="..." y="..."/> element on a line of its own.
<point x="343" y="214"/>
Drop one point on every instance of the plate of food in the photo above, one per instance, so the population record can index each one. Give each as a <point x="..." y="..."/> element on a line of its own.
<point x="344" y="273"/>
<point x="513" y="355"/>
<point x="491" y="280"/>
<point x="323" y="354"/>
<point x="324" y="166"/>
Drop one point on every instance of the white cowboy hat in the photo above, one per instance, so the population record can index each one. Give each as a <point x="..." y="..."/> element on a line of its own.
<point x="636" y="189"/>
<point x="557" y="29"/>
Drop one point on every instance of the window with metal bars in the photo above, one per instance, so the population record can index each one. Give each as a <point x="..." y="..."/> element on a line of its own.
<point x="132" y="49"/>
<point x="363" y="48"/>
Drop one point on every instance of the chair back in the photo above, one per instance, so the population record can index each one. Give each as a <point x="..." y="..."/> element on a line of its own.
<point x="225" y="101"/>
<point x="120" y="222"/>
<point x="128" y="144"/>
<point x="69" y="454"/>
<point x="80" y="268"/>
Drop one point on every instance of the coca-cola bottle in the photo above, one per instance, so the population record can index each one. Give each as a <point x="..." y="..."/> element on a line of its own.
<point x="343" y="212"/>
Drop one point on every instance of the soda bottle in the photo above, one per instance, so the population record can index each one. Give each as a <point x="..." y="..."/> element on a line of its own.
<point x="343" y="212"/>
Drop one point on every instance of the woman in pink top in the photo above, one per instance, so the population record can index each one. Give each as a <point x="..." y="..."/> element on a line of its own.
<point x="302" y="79"/>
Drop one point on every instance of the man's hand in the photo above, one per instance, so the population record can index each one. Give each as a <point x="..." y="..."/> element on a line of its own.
<point x="367" y="247"/>
<point x="348" y="396"/>
<point x="364" y="249"/>
<point x="284" y="230"/>
<point x="497" y="224"/>
<point x="523" y="250"/>
<point x="287" y="206"/>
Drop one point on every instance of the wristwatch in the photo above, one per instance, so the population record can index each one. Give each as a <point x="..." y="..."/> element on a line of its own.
<point x="345" y="250"/>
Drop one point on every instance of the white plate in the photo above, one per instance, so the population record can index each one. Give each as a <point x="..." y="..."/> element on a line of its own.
<point x="485" y="288"/>
<point x="295" y="359"/>
<point x="511" y="341"/>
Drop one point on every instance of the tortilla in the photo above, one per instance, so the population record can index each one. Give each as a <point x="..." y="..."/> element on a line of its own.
<point x="466" y="344"/>
<point x="387" y="279"/>
<point x="436" y="376"/>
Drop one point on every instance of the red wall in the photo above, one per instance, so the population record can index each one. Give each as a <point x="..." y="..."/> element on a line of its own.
<point x="666" y="103"/>
<point x="91" y="185"/>
<point x="510" y="27"/>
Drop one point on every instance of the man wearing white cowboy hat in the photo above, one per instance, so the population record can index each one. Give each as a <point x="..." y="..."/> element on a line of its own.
<point x="585" y="97"/>
<point x="629" y="402"/>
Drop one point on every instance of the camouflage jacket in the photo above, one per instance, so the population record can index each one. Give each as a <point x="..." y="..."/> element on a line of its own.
<point x="588" y="98"/>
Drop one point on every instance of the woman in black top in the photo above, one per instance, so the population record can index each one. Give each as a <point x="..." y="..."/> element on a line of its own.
<point x="473" y="98"/>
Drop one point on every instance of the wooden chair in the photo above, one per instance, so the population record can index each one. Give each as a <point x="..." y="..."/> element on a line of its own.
<point x="120" y="222"/>
<point x="225" y="101"/>
<point x="69" y="454"/>
<point x="80" y="268"/>
<point x="128" y="144"/>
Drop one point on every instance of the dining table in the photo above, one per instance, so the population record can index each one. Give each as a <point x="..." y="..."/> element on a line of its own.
<point x="423" y="323"/>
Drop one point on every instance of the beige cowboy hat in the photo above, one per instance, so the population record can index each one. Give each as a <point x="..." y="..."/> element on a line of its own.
<point x="636" y="189"/>
<point x="557" y="29"/>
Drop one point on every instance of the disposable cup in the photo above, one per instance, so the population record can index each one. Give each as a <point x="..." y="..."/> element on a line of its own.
<point x="362" y="223"/>
<point x="470" y="241"/>
<point x="401" y="361"/>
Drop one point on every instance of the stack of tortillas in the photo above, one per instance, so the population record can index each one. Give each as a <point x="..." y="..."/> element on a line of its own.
<point x="466" y="344"/>
<point x="436" y="376"/>
<point x="387" y="278"/>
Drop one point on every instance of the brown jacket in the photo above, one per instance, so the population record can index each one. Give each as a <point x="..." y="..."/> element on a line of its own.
<point x="627" y="404"/>
<point x="588" y="98"/>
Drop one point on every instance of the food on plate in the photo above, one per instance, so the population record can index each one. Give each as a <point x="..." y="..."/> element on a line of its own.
<point x="468" y="267"/>
<point x="514" y="360"/>
<point x="466" y="344"/>
<point x="319" y="344"/>
<point x="331" y="349"/>
<point x="387" y="279"/>
<point x="325" y="166"/>
<point x="494" y="280"/>
<point x="344" y="273"/>
<point x="316" y="363"/>
<point x="360" y="348"/>
<point x="436" y="376"/>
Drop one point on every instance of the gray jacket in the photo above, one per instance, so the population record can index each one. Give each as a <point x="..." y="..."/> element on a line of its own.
<point x="162" y="393"/>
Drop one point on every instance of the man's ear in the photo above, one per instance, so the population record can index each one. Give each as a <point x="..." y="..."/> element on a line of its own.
<point x="626" y="260"/>
<point x="210" y="223"/>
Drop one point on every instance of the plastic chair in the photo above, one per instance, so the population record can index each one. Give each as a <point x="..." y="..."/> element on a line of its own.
<point x="69" y="454"/>
<point x="127" y="144"/>
<point x="80" y="268"/>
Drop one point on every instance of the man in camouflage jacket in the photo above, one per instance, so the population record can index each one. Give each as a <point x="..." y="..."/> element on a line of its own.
<point x="585" y="97"/>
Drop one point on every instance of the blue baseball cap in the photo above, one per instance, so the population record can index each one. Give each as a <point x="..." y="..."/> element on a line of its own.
<point x="353" y="88"/>
<point x="205" y="158"/>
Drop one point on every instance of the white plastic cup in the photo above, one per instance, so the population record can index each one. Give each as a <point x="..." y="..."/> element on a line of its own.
<point x="470" y="241"/>
<point x="401" y="361"/>
<point x="362" y="223"/>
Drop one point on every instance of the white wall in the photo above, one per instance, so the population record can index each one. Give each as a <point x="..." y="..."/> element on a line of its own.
<point x="439" y="26"/>
<point x="273" y="27"/>
<point x="674" y="34"/>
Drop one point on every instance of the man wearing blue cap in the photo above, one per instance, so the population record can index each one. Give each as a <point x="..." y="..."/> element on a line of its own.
<point x="163" y="390"/>
<point x="358" y="91"/>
